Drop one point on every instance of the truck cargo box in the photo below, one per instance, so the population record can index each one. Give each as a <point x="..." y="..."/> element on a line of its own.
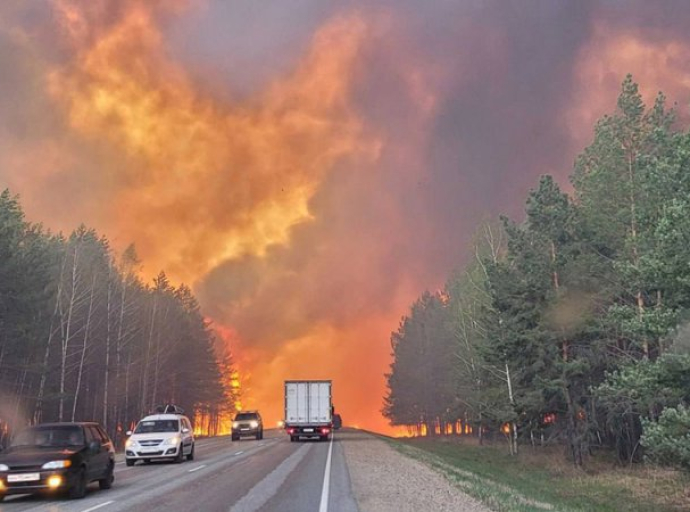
<point x="308" y="408"/>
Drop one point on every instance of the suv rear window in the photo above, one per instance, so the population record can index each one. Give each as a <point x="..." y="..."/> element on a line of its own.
<point x="148" y="427"/>
<point x="243" y="416"/>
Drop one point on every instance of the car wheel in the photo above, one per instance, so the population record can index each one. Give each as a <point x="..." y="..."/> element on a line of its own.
<point x="2" y="497"/>
<point x="191" y="454"/>
<point x="258" y="436"/>
<point x="78" y="490"/>
<point x="261" y="435"/>
<point x="235" y="438"/>
<point x="180" y="455"/>
<point x="147" y="461"/>
<point x="107" y="481"/>
<point x="293" y="439"/>
<point x="130" y="462"/>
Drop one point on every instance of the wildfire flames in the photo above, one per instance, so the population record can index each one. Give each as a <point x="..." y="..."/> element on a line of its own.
<point x="309" y="214"/>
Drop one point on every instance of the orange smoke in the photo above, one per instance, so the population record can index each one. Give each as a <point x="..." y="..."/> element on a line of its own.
<point x="213" y="181"/>
<point x="607" y="58"/>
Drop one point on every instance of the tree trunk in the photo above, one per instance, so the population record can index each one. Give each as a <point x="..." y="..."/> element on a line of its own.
<point x="145" y="369"/>
<point x="87" y="329"/>
<point x="572" y="431"/>
<point x="107" y="353"/>
<point x="67" y="334"/>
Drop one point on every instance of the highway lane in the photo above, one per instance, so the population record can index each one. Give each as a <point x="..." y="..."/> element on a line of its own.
<point x="268" y="475"/>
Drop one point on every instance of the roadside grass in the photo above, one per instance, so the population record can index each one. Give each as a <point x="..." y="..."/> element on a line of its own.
<point x="542" y="479"/>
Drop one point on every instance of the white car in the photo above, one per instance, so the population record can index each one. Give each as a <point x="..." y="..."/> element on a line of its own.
<point x="160" y="436"/>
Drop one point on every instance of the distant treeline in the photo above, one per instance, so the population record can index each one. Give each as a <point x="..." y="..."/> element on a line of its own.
<point x="569" y="327"/>
<point x="83" y="338"/>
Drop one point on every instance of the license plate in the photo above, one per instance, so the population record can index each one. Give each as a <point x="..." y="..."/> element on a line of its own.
<point x="309" y="430"/>
<point x="149" y="450"/>
<point x="25" y="477"/>
<point x="243" y="429"/>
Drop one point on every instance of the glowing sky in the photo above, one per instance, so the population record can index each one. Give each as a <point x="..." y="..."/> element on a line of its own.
<point x="310" y="167"/>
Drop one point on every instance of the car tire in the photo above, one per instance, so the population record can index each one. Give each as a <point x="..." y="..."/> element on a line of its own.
<point x="293" y="439"/>
<point x="130" y="462"/>
<point x="147" y="461"/>
<point x="107" y="481"/>
<point x="78" y="490"/>
<point x="235" y="438"/>
<point x="191" y="454"/>
<point x="180" y="455"/>
<point x="2" y="497"/>
<point x="258" y="436"/>
<point x="261" y="435"/>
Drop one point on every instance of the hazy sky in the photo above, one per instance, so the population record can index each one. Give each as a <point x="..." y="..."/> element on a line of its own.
<point x="311" y="167"/>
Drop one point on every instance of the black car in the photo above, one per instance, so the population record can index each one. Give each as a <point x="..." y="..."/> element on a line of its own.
<point x="56" y="457"/>
<point x="247" y="423"/>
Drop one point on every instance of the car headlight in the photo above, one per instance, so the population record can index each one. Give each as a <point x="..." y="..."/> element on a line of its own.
<point x="253" y="424"/>
<point x="235" y="424"/>
<point x="172" y="441"/>
<point x="130" y="443"/>
<point x="4" y="467"/>
<point x="57" y="464"/>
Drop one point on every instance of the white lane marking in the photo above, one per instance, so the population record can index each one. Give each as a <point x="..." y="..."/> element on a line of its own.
<point x="197" y="468"/>
<point x="120" y="462"/>
<point x="238" y="453"/>
<point x="259" y="495"/>
<point x="326" y="480"/>
<point x="98" y="506"/>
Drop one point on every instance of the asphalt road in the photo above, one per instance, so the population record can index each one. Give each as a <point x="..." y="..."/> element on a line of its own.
<point x="246" y="476"/>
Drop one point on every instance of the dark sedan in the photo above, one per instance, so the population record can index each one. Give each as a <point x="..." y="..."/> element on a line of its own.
<point x="57" y="457"/>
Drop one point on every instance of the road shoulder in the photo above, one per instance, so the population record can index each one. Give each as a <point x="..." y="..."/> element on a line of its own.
<point x="384" y="480"/>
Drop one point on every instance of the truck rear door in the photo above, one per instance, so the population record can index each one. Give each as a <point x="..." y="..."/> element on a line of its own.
<point x="319" y="402"/>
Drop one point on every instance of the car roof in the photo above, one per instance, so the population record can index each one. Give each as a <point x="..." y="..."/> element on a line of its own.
<point x="68" y="424"/>
<point x="159" y="417"/>
<point x="247" y="412"/>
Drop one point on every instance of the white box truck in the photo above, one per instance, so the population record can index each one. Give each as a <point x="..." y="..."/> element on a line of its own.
<point x="308" y="409"/>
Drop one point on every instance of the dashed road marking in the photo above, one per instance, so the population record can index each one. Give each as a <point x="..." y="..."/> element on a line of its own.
<point x="98" y="506"/>
<point x="197" y="468"/>
<point x="238" y="453"/>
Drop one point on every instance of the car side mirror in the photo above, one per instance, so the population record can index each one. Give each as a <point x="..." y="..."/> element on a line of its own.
<point x="94" y="446"/>
<point x="185" y="431"/>
<point x="128" y="433"/>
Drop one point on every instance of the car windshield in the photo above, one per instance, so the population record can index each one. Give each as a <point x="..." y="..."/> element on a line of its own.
<point x="150" y="426"/>
<point x="49" y="437"/>
<point x="246" y="416"/>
